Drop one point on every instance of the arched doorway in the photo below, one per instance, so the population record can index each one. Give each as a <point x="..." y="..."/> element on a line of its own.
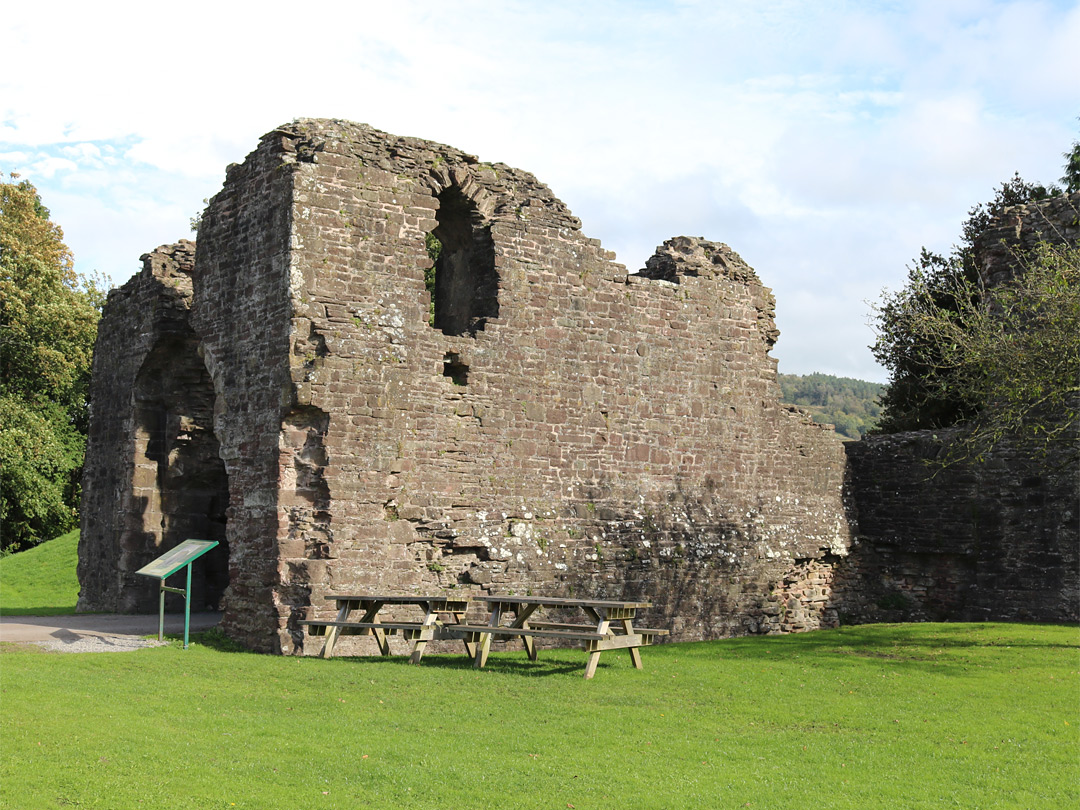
<point x="180" y="487"/>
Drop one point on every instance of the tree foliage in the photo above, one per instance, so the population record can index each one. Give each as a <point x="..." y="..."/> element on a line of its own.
<point x="922" y="393"/>
<point x="1010" y="353"/>
<point x="1071" y="178"/>
<point x="48" y="323"/>
<point x="1002" y="361"/>
<point x="851" y="406"/>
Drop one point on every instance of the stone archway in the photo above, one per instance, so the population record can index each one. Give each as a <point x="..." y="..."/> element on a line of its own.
<point x="180" y="487"/>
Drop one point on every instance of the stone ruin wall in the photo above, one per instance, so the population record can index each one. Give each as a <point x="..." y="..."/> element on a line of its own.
<point x="563" y="428"/>
<point x="993" y="541"/>
<point x="153" y="470"/>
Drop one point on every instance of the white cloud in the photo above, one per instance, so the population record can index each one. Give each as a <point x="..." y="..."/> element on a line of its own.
<point x="47" y="167"/>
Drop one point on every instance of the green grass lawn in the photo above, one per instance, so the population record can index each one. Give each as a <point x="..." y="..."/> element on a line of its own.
<point x="41" y="581"/>
<point x="884" y="716"/>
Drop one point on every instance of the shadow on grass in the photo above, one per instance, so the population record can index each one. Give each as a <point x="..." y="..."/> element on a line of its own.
<point x="59" y="610"/>
<point x="502" y="663"/>
<point x="214" y="639"/>
<point x="917" y="645"/>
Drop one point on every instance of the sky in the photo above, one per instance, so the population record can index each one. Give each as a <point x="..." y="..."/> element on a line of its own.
<point x="825" y="142"/>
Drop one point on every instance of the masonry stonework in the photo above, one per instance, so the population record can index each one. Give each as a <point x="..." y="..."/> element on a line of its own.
<point x="989" y="541"/>
<point x="996" y="540"/>
<point x="548" y="423"/>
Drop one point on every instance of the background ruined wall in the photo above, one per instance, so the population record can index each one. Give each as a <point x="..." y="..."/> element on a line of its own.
<point x="994" y="541"/>
<point x="998" y="540"/>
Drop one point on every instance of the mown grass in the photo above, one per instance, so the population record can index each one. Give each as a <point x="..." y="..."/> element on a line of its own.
<point x="41" y="581"/>
<point x="886" y="716"/>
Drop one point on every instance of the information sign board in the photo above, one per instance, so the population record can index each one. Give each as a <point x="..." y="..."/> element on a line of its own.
<point x="176" y="558"/>
<point x="168" y="564"/>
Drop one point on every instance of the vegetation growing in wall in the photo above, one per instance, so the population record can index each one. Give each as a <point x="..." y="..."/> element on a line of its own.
<point x="48" y="323"/>
<point x="852" y="406"/>
<point x="434" y="250"/>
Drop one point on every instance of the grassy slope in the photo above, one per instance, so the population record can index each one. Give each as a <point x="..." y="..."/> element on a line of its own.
<point x="888" y="716"/>
<point x="41" y="580"/>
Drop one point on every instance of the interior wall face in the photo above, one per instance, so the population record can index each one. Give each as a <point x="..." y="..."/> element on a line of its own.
<point x="180" y="489"/>
<point x="997" y="540"/>
<point x="153" y="475"/>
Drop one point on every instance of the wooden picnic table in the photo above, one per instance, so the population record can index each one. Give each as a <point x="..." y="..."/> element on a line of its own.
<point x="611" y="627"/>
<point x="608" y="625"/>
<point x="370" y="623"/>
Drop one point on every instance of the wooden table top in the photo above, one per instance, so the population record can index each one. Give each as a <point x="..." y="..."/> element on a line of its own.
<point x="399" y="600"/>
<point x="549" y="601"/>
<point x="558" y="601"/>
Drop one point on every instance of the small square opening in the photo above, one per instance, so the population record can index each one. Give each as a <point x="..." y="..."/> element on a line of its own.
<point x="453" y="368"/>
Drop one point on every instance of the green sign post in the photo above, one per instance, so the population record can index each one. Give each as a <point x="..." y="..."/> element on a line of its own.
<point x="168" y="564"/>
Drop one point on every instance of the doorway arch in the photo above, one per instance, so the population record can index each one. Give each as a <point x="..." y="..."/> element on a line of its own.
<point x="180" y="488"/>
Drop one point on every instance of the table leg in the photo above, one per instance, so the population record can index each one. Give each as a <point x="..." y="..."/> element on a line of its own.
<point x="470" y="648"/>
<point x="372" y="615"/>
<point x="484" y="645"/>
<point x="521" y="620"/>
<point x="380" y="638"/>
<point x="418" y="649"/>
<point x="331" y="637"/>
<point x="635" y="652"/>
<point x="594" y="657"/>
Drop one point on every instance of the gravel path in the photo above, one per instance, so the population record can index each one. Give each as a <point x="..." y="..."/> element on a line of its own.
<point x="95" y="644"/>
<point x="89" y="632"/>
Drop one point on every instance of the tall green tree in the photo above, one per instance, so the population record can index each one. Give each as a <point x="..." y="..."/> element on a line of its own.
<point x="1011" y="352"/>
<point x="1003" y="361"/>
<point x="1071" y="178"/>
<point x="48" y="323"/>
<point x="921" y="394"/>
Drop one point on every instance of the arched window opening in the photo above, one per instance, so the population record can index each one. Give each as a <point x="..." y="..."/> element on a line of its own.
<point x="465" y="285"/>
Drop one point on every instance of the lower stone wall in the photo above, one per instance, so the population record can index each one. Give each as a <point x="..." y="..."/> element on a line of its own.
<point x="994" y="541"/>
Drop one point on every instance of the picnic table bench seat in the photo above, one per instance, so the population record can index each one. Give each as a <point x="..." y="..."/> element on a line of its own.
<point x="474" y="630"/>
<point x="408" y="630"/>
<point x="642" y="631"/>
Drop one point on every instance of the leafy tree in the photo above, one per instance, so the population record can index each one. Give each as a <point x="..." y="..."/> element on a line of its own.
<point x="48" y="323"/>
<point x="1071" y="178"/>
<point x="1011" y="353"/>
<point x="921" y="393"/>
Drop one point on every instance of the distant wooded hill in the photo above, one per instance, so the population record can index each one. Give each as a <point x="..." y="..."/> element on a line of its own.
<point x="851" y="405"/>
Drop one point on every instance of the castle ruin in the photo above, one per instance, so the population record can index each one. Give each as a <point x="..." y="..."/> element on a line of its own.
<point x="543" y="422"/>
<point x="388" y="366"/>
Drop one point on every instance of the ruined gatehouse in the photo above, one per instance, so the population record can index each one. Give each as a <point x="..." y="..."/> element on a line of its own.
<point x="532" y="419"/>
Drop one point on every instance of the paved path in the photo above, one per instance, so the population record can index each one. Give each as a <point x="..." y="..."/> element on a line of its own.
<point x="120" y="631"/>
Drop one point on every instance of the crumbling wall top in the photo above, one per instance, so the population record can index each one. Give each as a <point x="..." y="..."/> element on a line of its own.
<point x="1019" y="228"/>
<point x="501" y="191"/>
